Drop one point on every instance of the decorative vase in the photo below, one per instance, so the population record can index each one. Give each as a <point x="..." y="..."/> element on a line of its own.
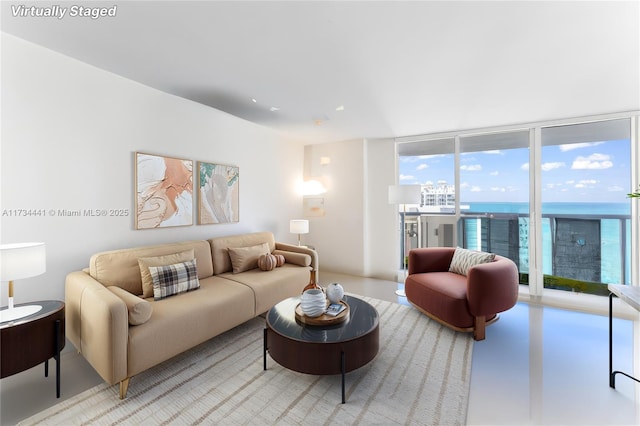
<point x="312" y="283"/>
<point x="313" y="302"/>
<point x="335" y="292"/>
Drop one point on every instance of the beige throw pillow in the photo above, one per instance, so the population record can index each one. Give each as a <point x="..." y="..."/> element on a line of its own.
<point x="170" y="259"/>
<point x="246" y="258"/>
<point x="139" y="310"/>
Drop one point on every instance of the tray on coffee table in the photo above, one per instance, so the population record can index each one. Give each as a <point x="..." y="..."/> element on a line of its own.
<point x="323" y="319"/>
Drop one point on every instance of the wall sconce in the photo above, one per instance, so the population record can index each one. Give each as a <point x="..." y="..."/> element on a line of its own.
<point x="313" y="187"/>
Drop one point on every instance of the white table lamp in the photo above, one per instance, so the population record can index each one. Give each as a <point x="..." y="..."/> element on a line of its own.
<point x="299" y="226"/>
<point x="19" y="261"/>
<point x="404" y="194"/>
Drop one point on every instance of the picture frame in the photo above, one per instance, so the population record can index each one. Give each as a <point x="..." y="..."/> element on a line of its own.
<point x="164" y="191"/>
<point x="218" y="193"/>
<point x="313" y="207"/>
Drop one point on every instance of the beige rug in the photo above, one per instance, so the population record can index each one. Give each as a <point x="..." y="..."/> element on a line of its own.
<point x="420" y="376"/>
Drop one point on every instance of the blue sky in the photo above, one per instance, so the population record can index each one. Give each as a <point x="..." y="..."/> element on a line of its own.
<point x="580" y="172"/>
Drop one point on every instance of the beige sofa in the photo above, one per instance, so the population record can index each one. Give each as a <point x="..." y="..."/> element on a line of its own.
<point x="122" y="333"/>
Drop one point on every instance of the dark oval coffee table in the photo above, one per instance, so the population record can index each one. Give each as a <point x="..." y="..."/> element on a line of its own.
<point x="322" y="350"/>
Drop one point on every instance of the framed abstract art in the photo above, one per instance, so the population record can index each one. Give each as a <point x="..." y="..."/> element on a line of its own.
<point x="218" y="193"/>
<point x="164" y="191"/>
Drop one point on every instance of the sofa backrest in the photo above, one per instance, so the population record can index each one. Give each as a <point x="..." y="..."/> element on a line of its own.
<point x="120" y="267"/>
<point x="220" y="248"/>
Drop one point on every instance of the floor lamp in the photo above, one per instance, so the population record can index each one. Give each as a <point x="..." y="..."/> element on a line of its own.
<point x="404" y="194"/>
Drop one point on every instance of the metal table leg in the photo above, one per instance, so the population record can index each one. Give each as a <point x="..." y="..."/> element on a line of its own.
<point x="612" y="374"/>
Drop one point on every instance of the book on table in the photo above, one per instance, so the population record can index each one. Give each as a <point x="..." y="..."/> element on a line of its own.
<point x="335" y="308"/>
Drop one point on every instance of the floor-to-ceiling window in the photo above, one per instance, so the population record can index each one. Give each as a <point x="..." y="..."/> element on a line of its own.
<point x="494" y="191"/>
<point x="556" y="193"/>
<point x="585" y="174"/>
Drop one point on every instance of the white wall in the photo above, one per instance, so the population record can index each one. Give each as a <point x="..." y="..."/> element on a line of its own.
<point x="354" y="235"/>
<point x="69" y="134"/>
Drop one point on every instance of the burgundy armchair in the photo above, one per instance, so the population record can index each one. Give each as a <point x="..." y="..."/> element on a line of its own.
<point x="463" y="303"/>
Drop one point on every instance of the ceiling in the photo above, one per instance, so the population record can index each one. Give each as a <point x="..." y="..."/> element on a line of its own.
<point x="328" y="71"/>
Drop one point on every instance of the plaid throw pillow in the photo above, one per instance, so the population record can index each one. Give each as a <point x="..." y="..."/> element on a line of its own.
<point x="174" y="279"/>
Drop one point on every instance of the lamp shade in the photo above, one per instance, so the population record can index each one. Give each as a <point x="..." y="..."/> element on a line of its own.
<point x="22" y="260"/>
<point x="404" y="194"/>
<point x="299" y="226"/>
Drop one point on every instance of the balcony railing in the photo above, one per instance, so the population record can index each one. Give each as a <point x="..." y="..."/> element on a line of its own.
<point x="581" y="252"/>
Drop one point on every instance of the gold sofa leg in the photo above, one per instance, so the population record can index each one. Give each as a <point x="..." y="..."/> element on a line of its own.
<point x="124" y="386"/>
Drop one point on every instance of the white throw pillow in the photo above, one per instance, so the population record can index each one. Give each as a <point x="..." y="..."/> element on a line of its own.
<point x="464" y="259"/>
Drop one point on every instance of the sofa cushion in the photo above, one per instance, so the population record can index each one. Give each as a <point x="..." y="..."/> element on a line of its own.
<point x="271" y="288"/>
<point x="182" y="322"/>
<point x="174" y="279"/>
<point x="169" y="259"/>
<point x="121" y="268"/>
<point x="464" y="259"/>
<point x="220" y="248"/>
<point x="246" y="258"/>
<point x="139" y="310"/>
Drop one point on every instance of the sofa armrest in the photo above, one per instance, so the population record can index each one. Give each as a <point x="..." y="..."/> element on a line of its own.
<point x="97" y="324"/>
<point x="430" y="259"/>
<point x="300" y="249"/>
<point x="492" y="287"/>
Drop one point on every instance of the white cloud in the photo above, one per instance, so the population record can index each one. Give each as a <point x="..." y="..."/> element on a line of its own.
<point x="471" y="168"/>
<point x="592" y="162"/>
<point x="615" y="188"/>
<point x="407" y="177"/>
<point x="476" y="189"/>
<point x="551" y="166"/>
<point x="493" y="152"/>
<point x="525" y="166"/>
<point x="589" y="181"/>
<point x="421" y="167"/>
<point x="572" y="146"/>
<point x="496" y="173"/>
<point x="498" y="189"/>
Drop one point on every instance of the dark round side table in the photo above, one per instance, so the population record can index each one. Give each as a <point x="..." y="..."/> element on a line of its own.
<point x="333" y="349"/>
<point x="34" y="339"/>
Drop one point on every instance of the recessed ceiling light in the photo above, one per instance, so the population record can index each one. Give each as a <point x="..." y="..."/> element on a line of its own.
<point x="254" y="101"/>
<point x="340" y="108"/>
<point x="272" y="109"/>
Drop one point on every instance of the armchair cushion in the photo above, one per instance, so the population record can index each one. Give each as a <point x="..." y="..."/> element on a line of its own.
<point x="464" y="259"/>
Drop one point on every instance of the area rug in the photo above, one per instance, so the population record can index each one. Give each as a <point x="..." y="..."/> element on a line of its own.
<point x="420" y="376"/>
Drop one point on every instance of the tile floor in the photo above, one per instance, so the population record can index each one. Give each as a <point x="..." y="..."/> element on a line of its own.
<point x="538" y="366"/>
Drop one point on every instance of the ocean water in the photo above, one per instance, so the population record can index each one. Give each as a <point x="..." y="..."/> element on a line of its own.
<point x="615" y="218"/>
